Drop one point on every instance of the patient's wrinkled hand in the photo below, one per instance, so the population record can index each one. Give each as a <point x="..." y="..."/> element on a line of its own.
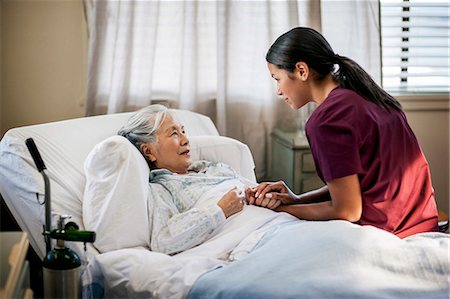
<point x="250" y="195"/>
<point x="232" y="202"/>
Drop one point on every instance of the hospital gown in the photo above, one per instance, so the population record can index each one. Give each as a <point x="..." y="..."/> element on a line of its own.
<point x="184" y="206"/>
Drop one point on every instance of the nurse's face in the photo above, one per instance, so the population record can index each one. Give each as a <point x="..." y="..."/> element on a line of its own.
<point x="292" y="87"/>
<point x="171" y="149"/>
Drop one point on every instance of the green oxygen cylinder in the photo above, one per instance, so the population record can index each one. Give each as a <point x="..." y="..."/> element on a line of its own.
<point x="61" y="269"/>
<point x="61" y="258"/>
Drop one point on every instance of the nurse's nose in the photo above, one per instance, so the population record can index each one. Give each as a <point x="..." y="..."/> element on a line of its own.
<point x="279" y="91"/>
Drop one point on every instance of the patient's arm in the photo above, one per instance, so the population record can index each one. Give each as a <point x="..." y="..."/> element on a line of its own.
<point x="173" y="231"/>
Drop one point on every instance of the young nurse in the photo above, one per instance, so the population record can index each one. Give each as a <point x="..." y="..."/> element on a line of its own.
<point x="363" y="148"/>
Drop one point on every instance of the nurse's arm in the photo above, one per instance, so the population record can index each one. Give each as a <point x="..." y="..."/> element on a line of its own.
<point x="345" y="203"/>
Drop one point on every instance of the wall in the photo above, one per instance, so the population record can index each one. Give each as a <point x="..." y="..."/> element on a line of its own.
<point x="43" y="61"/>
<point x="429" y="119"/>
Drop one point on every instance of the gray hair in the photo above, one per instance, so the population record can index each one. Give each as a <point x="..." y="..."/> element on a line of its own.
<point x="142" y="126"/>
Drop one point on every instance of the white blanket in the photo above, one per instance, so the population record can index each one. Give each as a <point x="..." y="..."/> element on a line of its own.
<point x="138" y="272"/>
<point x="333" y="258"/>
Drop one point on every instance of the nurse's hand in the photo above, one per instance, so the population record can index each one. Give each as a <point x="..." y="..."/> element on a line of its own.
<point x="232" y="202"/>
<point x="265" y="194"/>
<point x="266" y="202"/>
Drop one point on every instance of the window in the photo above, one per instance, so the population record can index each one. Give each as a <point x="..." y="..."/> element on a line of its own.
<point x="415" y="46"/>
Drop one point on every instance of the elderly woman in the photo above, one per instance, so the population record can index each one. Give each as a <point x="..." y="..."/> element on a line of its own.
<point x="186" y="211"/>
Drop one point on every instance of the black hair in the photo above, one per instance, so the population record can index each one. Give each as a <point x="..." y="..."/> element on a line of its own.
<point x="308" y="45"/>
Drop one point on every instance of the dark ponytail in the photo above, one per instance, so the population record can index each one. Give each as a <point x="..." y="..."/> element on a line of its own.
<point x="308" y="45"/>
<point x="352" y="76"/>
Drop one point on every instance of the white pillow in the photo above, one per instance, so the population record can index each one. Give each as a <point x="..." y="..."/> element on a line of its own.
<point x="224" y="149"/>
<point x="117" y="187"/>
<point x="115" y="195"/>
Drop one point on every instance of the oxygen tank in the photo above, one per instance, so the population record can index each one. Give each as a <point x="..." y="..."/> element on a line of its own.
<point x="61" y="272"/>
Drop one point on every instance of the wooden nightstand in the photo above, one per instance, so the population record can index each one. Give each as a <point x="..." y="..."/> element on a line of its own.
<point x="292" y="162"/>
<point x="14" y="269"/>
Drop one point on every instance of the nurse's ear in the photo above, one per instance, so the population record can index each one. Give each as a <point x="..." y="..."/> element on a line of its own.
<point x="148" y="151"/>
<point x="302" y="69"/>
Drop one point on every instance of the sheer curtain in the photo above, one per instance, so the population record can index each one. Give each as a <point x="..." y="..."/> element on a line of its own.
<point x="209" y="57"/>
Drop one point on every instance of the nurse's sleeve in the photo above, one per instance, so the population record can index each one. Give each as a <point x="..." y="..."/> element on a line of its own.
<point x="172" y="231"/>
<point x="334" y="143"/>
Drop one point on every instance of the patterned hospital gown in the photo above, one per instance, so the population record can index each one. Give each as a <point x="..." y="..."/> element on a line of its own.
<point x="184" y="206"/>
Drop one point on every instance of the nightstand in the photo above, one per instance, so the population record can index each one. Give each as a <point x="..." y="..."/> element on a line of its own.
<point x="14" y="269"/>
<point x="292" y="162"/>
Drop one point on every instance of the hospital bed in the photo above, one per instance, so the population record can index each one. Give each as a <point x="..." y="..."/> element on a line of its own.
<point x="257" y="254"/>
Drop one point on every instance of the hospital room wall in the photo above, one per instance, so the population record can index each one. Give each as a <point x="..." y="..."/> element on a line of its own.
<point x="43" y="78"/>
<point x="43" y="61"/>
<point x="430" y="123"/>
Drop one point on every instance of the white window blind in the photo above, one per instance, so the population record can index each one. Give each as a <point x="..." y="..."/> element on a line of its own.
<point x="415" y="45"/>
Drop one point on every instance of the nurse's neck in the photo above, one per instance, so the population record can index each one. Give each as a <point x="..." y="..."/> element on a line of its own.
<point x="321" y="89"/>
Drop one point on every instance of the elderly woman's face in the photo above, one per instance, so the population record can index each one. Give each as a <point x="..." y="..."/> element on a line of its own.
<point x="171" y="150"/>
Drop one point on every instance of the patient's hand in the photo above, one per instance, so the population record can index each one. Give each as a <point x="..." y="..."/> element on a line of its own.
<point x="232" y="202"/>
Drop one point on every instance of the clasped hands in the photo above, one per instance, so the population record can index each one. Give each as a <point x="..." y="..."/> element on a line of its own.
<point x="268" y="195"/>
